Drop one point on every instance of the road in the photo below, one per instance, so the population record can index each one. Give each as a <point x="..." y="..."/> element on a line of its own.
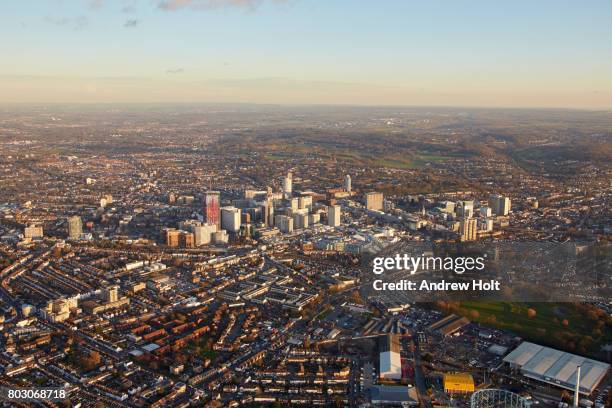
<point x="419" y="378"/>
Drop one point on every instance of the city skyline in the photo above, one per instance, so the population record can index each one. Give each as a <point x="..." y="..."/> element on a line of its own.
<point x="549" y="54"/>
<point x="263" y="256"/>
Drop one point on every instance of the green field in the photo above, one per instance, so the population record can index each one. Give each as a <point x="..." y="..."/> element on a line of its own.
<point x="395" y="163"/>
<point x="567" y="326"/>
<point x="418" y="161"/>
<point x="273" y="157"/>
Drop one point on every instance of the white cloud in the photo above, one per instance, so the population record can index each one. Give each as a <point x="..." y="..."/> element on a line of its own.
<point x="75" y="23"/>
<point x="171" y="5"/>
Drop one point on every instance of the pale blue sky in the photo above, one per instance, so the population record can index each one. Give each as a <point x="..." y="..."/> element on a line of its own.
<point x="454" y="52"/>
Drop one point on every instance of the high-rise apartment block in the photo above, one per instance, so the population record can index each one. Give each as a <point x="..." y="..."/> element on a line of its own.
<point x="284" y="223"/>
<point x="230" y="219"/>
<point x="333" y="215"/>
<point x="468" y="229"/>
<point x="499" y="204"/>
<point x="300" y="220"/>
<point x="465" y="209"/>
<point x="347" y="183"/>
<point x="485" y="211"/>
<point x="75" y="227"/>
<point x="212" y="208"/>
<point x="305" y="202"/>
<point x="112" y="294"/>
<point x="288" y="185"/>
<point x="374" y="201"/>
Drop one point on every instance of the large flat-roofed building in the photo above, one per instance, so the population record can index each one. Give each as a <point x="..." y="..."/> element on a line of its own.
<point x="33" y="231"/>
<point x="458" y="383"/>
<point x="390" y="360"/>
<point x="449" y="325"/>
<point x="557" y="367"/>
<point x="179" y="239"/>
<point x="394" y="396"/>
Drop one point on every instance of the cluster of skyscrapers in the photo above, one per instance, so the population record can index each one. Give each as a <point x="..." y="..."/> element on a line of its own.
<point x="469" y="225"/>
<point x="270" y="212"/>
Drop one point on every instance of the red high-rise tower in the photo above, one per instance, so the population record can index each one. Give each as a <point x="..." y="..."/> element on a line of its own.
<point x="212" y="208"/>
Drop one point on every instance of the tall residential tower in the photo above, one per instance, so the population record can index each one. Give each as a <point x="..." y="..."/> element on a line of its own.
<point x="288" y="185"/>
<point x="212" y="208"/>
<point x="75" y="227"/>
<point x="347" y="183"/>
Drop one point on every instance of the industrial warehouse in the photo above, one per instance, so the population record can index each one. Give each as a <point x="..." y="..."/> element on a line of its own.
<point x="390" y="360"/>
<point x="557" y="367"/>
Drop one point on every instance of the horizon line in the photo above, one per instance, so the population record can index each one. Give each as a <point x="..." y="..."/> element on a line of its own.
<point x="312" y="105"/>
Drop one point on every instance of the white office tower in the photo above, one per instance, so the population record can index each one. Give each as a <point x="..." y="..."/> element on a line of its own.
<point x="347" y="183"/>
<point x="314" y="219"/>
<point x="284" y="223"/>
<point x="230" y="219"/>
<point x="220" y="237"/>
<point x="465" y="209"/>
<point x="305" y="202"/>
<point x="300" y="220"/>
<point x="75" y="227"/>
<point x="333" y="215"/>
<point x="202" y="233"/>
<point x="294" y="203"/>
<point x="499" y="204"/>
<point x="288" y="185"/>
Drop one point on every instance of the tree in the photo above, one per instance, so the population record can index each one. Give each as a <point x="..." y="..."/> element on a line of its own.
<point x="88" y="362"/>
<point x="356" y="297"/>
<point x="566" y="396"/>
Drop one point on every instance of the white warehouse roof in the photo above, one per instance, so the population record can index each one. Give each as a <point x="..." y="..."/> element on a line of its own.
<point x="557" y="367"/>
<point x="390" y="359"/>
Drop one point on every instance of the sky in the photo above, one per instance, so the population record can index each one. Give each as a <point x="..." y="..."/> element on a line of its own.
<point x="482" y="53"/>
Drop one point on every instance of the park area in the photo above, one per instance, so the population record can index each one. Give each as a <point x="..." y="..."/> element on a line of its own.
<point x="572" y="327"/>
